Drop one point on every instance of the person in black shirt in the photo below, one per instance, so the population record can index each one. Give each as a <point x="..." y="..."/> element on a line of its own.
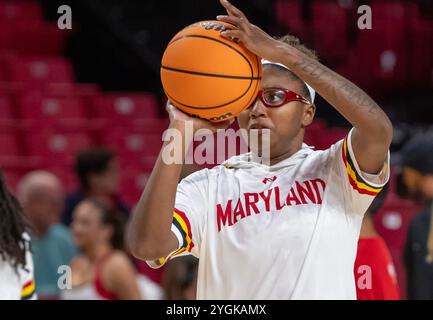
<point x="98" y="172"/>
<point x="416" y="182"/>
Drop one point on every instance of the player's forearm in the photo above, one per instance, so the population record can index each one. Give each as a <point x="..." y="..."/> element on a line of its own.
<point x="150" y="227"/>
<point x="349" y="100"/>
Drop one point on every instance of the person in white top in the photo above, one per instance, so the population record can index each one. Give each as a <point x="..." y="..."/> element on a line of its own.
<point x="16" y="263"/>
<point x="287" y="230"/>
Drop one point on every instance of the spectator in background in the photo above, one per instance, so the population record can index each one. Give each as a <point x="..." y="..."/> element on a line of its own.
<point x="416" y="181"/>
<point x="98" y="172"/>
<point x="180" y="278"/>
<point x="41" y="195"/>
<point x="16" y="263"/>
<point x="102" y="270"/>
<point x="374" y="253"/>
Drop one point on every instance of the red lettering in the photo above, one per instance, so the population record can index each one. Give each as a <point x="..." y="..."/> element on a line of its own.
<point x="224" y="216"/>
<point x="251" y="203"/>
<point x="239" y="211"/>
<point x="291" y="196"/>
<point x="267" y="199"/>
<point x="315" y="183"/>
<point x="277" y="199"/>
<point x="305" y="192"/>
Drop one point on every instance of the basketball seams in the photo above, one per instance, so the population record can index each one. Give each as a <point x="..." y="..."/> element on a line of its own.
<point x="210" y="74"/>
<point x="219" y="41"/>
<point x="254" y="77"/>
<point x="259" y="65"/>
<point x="213" y="107"/>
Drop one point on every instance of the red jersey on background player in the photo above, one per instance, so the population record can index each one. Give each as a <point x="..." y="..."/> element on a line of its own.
<point x="375" y="274"/>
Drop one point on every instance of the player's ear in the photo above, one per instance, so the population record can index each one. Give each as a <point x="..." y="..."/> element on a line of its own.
<point x="309" y="112"/>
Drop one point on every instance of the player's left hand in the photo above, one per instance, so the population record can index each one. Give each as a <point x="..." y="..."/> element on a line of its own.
<point x="253" y="38"/>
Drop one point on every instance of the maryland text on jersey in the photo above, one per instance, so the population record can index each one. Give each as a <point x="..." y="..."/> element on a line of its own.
<point x="301" y="193"/>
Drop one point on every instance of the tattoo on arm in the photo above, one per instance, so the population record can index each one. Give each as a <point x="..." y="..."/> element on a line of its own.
<point x="333" y="85"/>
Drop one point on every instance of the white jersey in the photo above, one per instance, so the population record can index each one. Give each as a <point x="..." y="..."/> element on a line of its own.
<point x="17" y="284"/>
<point x="287" y="231"/>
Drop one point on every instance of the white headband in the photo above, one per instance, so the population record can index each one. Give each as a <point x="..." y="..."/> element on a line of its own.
<point x="310" y="89"/>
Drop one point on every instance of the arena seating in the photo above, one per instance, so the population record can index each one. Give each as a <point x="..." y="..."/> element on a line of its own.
<point x="389" y="57"/>
<point x="124" y="107"/>
<point x="46" y="117"/>
<point x="31" y="37"/>
<point x="12" y="10"/>
<point x="6" y="108"/>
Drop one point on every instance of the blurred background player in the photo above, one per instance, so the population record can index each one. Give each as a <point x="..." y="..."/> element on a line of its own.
<point x="41" y="195"/>
<point x="102" y="270"/>
<point x="416" y="181"/>
<point x="97" y="170"/>
<point x="16" y="263"/>
<point x="379" y="280"/>
<point x="180" y="278"/>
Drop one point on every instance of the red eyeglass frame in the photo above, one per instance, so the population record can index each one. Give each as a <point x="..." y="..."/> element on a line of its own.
<point x="289" y="96"/>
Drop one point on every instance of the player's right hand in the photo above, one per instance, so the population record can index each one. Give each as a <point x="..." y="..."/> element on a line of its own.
<point x="178" y="117"/>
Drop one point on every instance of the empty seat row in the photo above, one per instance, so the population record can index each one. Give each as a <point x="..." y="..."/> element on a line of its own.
<point x="35" y="71"/>
<point x="46" y="108"/>
<point x="397" y="52"/>
<point x="32" y="37"/>
<point x="62" y="142"/>
<point x="19" y="9"/>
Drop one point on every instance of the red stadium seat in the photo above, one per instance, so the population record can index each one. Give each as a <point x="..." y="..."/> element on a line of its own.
<point x="6" y="108"/>
<point x="37" y="71"/>
<point x="56" y="146"/>
<point x="378" y="62"/>
<point x="122" y="108"/>
<point x="9" y="143"/>
<point x="330" y="30"/>
<point x="85" y="92"/>
<point x="289" y="15"/>
<point x="11" y="89"/>
<point x="133" y="143"/>
<point x="15" y="9"/>
<point x="47" y="109"/>
<point x="32" y="37"/>
<point x="420" y="35"/>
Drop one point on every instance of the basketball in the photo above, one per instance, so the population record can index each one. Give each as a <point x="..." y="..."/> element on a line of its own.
<point x="207" y="75"/>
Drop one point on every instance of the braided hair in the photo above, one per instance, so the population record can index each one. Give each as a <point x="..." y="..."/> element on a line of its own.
<point x="12" y="227"/>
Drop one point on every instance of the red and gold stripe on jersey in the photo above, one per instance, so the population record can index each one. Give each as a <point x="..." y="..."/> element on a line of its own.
<point x="356" y="181"/>
<point x="28" y="290"/>
<point x="181" y="222"/>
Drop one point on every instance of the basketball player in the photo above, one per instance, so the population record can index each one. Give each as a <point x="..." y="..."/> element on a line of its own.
<point x="284" y="231"/>
<point x="16" y="264"/>
<point x="101" y="271"/>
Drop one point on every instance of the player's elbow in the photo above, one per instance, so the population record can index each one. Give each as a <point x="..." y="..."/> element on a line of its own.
<point x="385" y="131"/>
<point x="145" y="246"/>
<point x="137" y="243"/>
<point x="379" y="131"/>
<point x="143" y="250"/>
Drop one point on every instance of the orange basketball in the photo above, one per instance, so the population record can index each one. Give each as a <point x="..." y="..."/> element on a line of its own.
<point x="209" y="76"/>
